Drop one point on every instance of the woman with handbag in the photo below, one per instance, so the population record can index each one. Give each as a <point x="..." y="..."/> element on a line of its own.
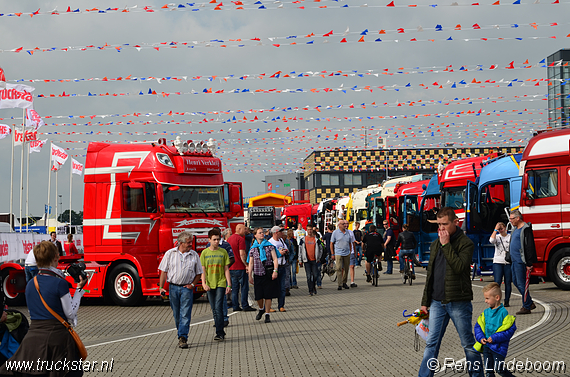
<point x="50" y="340"/>
<point x="262" y="259"/>
<point x="501" y="260"/>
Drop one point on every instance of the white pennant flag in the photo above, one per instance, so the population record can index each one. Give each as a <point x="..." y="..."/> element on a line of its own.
<point x="58" y="155"/>
<point x="16" y="95"/>
<point x="5" y="130"/>
<point x="36" y="145"/>
<point x="76" y="167"/>
<point x="33" y="119"/>
<point x="27" y="136"/>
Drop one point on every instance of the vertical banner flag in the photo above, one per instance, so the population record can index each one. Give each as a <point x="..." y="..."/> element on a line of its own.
<point x="16" y="95"/>
<point x="4" y="131"/>
<point x="36" y="145"/>
<point x="58" y="155"/>
<point x="2" y="79"/>
<point x="27" y="136"/>
<point x="76" y="167"/>
<point x="33" y="119"/>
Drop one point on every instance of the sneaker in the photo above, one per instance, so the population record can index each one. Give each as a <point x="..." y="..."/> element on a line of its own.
<point x="287" y="293"/>
<point x="533" y="306"/>
<point x="226" y="323"/>
<point x="368" y="278"/>
<point x="271" y="310"/>
<point x="345" y="286"/>
<point x="353" y="285"/>
<point x="249" y="309"/>
<point x="259" y="314"/>
<point x="267" y="319"/>
<point x="320" y="287"/>
<point x="294" y="287"/>
<point x="238" y="309"/>
<point x="282" y="310"/>
<point x="218" y="338"/>
<point x="182" y="342"/>
<point x="311" y="294"/>
<point x="523" y="311"/>
<point x="506" y="305"/>
<point x="315" y="292"/>
<point x="413" y="276"/>
<point x="401" y="271"/>
<point x="339" y="288"/>
<point x="387" y="273"/>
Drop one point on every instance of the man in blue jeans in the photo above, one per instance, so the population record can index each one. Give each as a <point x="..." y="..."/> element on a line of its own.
<point x="215" y="279"/>
<point x="448" y="294"/>
<point x="238" y="270"/>
<point x="181" y="267"/>
<point x="523" y="255"/>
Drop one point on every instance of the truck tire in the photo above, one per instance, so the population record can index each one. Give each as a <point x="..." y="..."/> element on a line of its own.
<point x="12" y="299"/>
<point x="560" y="269"/>
<point x="124" y="285"/>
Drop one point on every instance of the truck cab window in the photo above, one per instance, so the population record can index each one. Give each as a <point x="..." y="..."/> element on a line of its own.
<point x="453" y="197"/>
<point x="495" y="198"/>
<point x="193" y="199"/>
<point x="133" y="197"/>
<point x="543" y="183"/>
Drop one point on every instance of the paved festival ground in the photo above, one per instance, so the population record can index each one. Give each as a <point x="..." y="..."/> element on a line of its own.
<point x="335" y="333"/>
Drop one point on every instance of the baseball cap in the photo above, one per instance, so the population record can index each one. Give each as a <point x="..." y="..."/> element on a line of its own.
<point x="276" y="229"/>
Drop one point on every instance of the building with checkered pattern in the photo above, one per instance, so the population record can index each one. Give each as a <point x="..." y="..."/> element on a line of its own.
<point x="336" y="173"/>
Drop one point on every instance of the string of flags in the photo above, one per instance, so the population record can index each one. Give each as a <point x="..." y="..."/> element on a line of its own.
<point x="292" y="40"/>
<point x="448" y="84"/>
<point x="316" y="74"/>
<point x="259" y="5"/>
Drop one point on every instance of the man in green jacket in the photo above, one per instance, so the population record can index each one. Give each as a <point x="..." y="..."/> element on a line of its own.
<point x="448" y="293"/>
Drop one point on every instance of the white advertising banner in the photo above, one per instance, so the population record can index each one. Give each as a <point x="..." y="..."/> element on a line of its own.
<point x="4" y="130"/>
<point x="58" y="155"/>
<point x="33" y="119"/>
<point x="16" y="95"/>
<point x="28" y="135"/>
<point x="14" y="246"/>
<point x="36" y="145"/>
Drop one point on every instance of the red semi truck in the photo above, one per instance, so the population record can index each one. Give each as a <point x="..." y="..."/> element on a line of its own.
<point x="137" y="199"/>
<point x="545" y="202"/>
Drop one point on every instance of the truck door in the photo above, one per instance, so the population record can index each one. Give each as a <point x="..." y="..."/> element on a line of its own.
<point x="427" y="232"/>
<point x="471" y="213"/>
<point x="543" y="209"/>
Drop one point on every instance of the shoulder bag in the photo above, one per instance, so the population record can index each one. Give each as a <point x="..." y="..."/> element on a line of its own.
<point x="76" y="338"/>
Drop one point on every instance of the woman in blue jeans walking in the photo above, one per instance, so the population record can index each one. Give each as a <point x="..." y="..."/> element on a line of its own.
<point x="501" y="268"/>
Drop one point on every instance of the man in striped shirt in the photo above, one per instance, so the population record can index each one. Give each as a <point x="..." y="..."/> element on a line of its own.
<point x="181" y="267"/>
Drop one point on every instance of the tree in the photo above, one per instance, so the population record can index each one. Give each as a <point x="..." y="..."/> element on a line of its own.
<point x="76" y="217"/>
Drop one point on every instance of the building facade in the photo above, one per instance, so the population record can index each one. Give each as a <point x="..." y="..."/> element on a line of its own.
<point x="558" y="71"/>
<point x="337" y="173"/>
<point x="282" y="184"/>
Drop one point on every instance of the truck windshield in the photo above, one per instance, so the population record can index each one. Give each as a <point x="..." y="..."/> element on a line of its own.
<point x="192" y="199"/>
<point x="362" y="214"/>
<point x="453" y="197"/>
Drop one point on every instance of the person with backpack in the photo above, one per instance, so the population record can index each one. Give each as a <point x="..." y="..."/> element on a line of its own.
<point x="373" y="247"/>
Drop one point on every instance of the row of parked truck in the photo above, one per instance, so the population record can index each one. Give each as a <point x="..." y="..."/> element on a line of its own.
<point x="482" y="190"/>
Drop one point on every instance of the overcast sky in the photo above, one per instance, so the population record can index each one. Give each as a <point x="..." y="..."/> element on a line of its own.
<point x="251" y="150"/>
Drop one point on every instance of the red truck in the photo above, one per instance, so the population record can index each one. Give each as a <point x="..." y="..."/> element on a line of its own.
<point x="545" y="202"/>
<point x="137" y="199"/>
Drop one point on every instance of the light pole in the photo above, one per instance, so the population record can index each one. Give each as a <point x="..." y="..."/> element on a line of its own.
<point x="60" y="206"/>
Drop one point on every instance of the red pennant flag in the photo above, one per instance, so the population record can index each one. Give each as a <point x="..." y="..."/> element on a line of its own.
<point x="343" y="40"/>
<point x="391" y="4"/>
<point x="511" y="65"/>
<point x="361" y="39"/>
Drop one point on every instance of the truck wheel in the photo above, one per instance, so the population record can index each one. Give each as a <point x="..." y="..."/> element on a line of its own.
<point x="13" y="298"/>
<point x="124" y="286"/>
<point x="560" y="269"/>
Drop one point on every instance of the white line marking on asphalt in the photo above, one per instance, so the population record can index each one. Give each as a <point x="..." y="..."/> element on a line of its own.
<point x="544" y="318"/>
<point x="149" y="334"/>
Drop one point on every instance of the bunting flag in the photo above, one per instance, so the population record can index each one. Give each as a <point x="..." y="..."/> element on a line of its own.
<point x="242" y="5"/>
<point x="76" y="167"/>
<point x="448" y="68"/>
<point x="27" y="136"/>
<point x="36" y="145"/>
<point x="16" y="95"/>
<point x="356" y="88"/>
<point x="58" y="155"/>
<point x="5" y="130"/>
<point x="33" y="119"/>
<point x="314" y="39"/>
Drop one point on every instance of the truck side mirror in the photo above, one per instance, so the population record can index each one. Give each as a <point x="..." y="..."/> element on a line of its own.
<point x="526" y="199"/>
<point x="234" y="194"/>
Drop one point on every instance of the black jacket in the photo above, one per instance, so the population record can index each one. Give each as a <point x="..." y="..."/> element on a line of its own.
<point x="528" y="255"/>
<point x="406" y="240"/>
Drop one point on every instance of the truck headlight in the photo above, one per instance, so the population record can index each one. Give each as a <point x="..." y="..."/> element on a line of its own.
<point x="164" y="160"/>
